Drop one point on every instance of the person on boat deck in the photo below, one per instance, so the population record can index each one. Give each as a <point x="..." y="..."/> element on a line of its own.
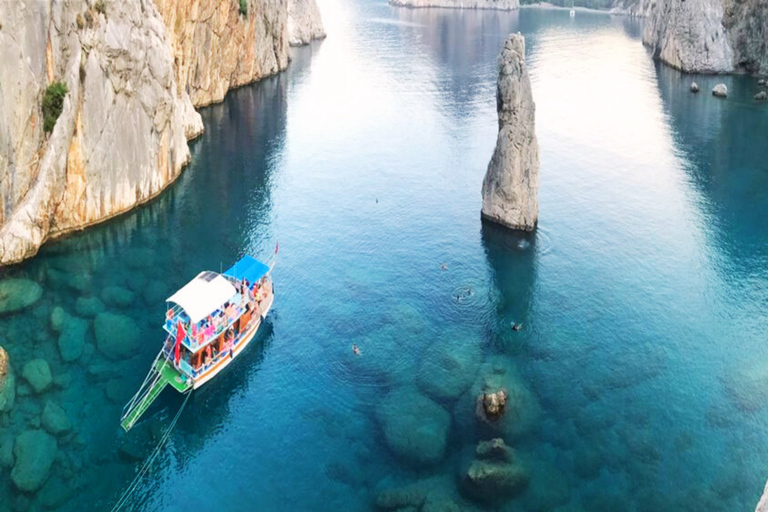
<point x="207" y="355"/>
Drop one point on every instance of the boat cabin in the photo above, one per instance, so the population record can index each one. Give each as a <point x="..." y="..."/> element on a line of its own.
<point x="208" y="316"/>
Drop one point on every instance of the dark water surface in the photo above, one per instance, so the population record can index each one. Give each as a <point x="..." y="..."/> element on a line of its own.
<point x="639" y="381"/>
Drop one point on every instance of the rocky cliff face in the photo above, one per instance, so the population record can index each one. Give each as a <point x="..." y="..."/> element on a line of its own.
<point x="511" y="184"/>
<point x="304" y="22"/>
<point x="216" y="47"/>
<point x="134" y="70"/>
<point x="505" y="5"/>
<point x="709" y="36"/>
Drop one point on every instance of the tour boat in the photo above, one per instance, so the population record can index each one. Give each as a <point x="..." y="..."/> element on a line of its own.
<point x="208" y="323"/>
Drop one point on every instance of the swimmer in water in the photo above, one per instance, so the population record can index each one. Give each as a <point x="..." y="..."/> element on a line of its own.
<point x="356" y="350"/>
<point x="443" y="267"/>
<point x="517" y="327"/>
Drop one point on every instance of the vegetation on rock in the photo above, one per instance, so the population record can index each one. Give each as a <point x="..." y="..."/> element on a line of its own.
<point x="53" y="102"/>
<point x="244" y="7"/>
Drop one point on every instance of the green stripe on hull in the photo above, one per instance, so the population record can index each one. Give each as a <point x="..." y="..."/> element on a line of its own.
<point x="168" y="375"/>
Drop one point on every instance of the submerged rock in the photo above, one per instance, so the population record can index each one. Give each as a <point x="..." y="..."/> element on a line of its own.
<point x="511" y="184"/>
<point x="58" y="315"/>
<point x="35" y="452"/>
<point x="55" y="493"/>
<point x="694" y="87"/>
<point x="6" y="452"/>
<point x="521" y="408"/>
<point x="89" y="307"/>
<point x="117" y="336"/>
<point x="748" y="387"/>
<point x="54" y="419"/>
<point x="38" y="374"/>
<point x="72" y="339"/>
<point x="495" y="449"/>
<point x="415" y="428"/>
<point x="18" y="294"/>
<point x="494" y="476"/>
<point x="7" y="382"/>
<point x="117" y="296"/>
<point x="448" y="368"/>
<point x="401" y="498"/>
<point x="720" y="90"/>
<point x="491" y="405"/>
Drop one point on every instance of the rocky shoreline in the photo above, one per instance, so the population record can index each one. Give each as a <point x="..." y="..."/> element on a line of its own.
<point x="133" y="72"/>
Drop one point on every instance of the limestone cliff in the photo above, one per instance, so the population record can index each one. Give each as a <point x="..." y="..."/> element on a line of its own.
<point x="304" y="22"/>
<point x="134" y="70"/>
<point x="122" y="134"/>
<point x="216" y="47"/>
<point x="505" y="5"/>
<point x="709" y="36"/>
<point x="511" y="184"/>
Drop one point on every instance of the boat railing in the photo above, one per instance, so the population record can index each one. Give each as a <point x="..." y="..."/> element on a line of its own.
<point x="149" y="381"/>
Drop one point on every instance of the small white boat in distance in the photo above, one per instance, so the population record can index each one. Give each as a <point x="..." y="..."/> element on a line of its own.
<point x="573" y="13"/>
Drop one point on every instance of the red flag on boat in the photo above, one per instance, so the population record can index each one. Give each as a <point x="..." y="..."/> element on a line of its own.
<point x="179" y="336"/>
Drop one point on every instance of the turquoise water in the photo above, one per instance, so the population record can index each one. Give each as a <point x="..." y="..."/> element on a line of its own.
<point x="640" y="371"/>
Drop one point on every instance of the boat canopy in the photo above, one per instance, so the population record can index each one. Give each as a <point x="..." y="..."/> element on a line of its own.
<point x="248" y="268"/>
<point x="203" y="295"/>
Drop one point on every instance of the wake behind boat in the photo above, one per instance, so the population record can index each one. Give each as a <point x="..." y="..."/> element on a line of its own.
<point x="208" y="323"/>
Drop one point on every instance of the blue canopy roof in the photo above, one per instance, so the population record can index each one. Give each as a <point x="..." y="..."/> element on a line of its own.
<point x="247" y="268"/>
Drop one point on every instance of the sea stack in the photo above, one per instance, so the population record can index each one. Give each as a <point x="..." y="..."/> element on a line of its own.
<point x="511" y="184"/>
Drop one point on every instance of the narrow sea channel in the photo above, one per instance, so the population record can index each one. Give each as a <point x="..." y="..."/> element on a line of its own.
<point x="641" y="373"/>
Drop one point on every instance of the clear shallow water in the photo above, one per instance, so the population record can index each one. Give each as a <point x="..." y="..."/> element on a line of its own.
<point x="643" y="293"/>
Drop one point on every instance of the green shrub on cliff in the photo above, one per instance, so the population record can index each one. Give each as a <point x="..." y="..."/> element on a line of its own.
<point x="53" y="102"/>
<point x="244" y="7"/>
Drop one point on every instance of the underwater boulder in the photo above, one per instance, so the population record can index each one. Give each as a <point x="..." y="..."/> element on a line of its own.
<point x="54" y="493"/>
<point x="72" y="338"/>
<point x="448" y="368"/>
<point x="493" y="477"/>
<point x="117" y="296"/>
<point x="748" y="387"/>
<point x="117" y="336"/>
<point x="406" y="316"/>
<point x="139" y="257"/>
<point x="89" y="307"/>
<point x="37" y="373"/>
<point x="58" y="316"/>
<point x="54" y="419"/>
<point x="521" y="408"/>
<point x="18" y="294"/>
<point x="401" y="498"/>
<point x="495" y="449"/>
<point x="6" y="452"/>
<point x="7" y="382"/>
<point x="35" y="452"/>
<point x="491" y="405"/>
<point x="415" y="428"/>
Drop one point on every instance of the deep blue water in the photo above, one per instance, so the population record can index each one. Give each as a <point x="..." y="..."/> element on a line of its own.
<point x="641" y="365"/>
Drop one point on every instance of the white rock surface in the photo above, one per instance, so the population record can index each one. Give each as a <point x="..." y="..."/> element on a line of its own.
<point x="135" y="71"/>
<point x="504" y="5"/>
<point x="511" y="184"/>
<point x="304" y="22"/>
<point x="720" y="90"/>
<point x="709" y="36"/>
